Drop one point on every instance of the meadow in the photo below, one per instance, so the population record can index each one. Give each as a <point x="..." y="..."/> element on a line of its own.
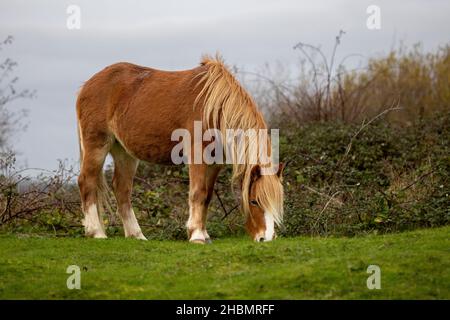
<point x="414" y="265"/>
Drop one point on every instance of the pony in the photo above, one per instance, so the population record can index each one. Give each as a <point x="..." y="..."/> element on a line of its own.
<point x="131" y="111"/>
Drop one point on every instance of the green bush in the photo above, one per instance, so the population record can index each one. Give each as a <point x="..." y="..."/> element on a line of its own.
<point x="394" y="178"/>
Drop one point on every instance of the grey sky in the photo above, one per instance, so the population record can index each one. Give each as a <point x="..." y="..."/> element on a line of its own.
<point x="172" y="35"/>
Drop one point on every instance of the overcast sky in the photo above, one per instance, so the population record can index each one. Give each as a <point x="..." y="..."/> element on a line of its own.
<point x="173" y="35"/>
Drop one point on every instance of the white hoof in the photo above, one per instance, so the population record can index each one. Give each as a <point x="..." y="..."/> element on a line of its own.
<point x="139" y="236"/>
<point x="96" y="234"/>
<point x="100" y="236"/>
<point x="197" y="236"/>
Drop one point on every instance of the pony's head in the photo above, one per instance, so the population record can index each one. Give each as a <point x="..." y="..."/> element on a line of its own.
<point x="262" y="200"/>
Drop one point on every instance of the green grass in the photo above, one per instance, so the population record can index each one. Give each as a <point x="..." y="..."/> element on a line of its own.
<point x="414" y="265"/>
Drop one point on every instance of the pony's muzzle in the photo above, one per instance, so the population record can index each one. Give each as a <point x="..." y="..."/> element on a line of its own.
<point x="261" y="238"/>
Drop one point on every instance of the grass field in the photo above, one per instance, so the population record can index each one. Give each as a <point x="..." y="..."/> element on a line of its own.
<point x="414" y="265"/>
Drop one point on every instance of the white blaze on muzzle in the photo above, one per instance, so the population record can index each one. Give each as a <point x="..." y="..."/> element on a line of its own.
<point x="270" y="226"/>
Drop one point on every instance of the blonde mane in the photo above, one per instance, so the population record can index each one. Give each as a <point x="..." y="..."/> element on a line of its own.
<point x="227" y="105"/>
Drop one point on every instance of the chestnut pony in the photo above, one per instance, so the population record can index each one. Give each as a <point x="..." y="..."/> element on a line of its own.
<point x="131" y="111"/>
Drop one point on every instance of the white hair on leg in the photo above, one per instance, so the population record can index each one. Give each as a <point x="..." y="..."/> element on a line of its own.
<point x="270" y="226"/>
<point x="92" y="223"/>
<point x="197" y="236"/>
<point x="131" y="226"/>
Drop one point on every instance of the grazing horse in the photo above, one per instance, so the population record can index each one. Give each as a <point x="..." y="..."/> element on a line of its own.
<point x="131" y="112"/>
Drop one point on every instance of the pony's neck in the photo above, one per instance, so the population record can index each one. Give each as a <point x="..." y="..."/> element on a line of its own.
<point x="227" y="105"/>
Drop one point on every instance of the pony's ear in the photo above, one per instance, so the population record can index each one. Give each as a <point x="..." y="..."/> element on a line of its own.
<point x="255" y="173"/>
<point x="281" y="167"/>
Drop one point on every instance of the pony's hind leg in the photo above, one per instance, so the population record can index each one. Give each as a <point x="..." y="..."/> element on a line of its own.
<point x="89" y="182"/>
<point x="124" y="170"/>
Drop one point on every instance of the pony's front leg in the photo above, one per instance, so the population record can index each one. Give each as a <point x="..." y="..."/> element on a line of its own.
<point x="201" y="186"/>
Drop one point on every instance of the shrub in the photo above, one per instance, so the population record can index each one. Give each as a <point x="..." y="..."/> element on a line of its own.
<point x="394" y="178"/>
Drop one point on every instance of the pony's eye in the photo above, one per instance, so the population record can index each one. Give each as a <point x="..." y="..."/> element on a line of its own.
<point x="253" y="202"/>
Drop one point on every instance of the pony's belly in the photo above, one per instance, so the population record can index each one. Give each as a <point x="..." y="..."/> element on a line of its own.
<point x="152" y="151"/>
<point x="159" y="154"/>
